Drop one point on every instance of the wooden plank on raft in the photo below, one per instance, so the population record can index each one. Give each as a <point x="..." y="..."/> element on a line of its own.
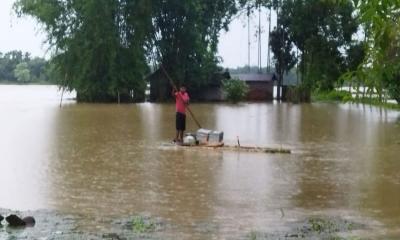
<point x="221" y="146"/>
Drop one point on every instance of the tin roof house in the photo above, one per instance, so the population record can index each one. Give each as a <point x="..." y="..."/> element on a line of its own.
<point x="261" y="85"/>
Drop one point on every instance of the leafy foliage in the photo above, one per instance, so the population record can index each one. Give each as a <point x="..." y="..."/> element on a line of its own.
<point x="18" y="67"/>
<point x="186" y="35"/>
<point x="285" y="58"/>
<point x="235" y="89"/>
<point x="319" y="30"/>
<point x="282" y="48"/>
<point x="8" y="62"/>
<point x="22" y="73"/>
<point x="299" y="93"/>
<point x="340" y="96"/>
<point x="98" y="44"/>
<point x="381" y="68"/>
<point x="103" y="48"/>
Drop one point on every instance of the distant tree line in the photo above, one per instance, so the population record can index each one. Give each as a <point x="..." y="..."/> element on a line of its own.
<point x="19" y="67"/>
<point x="104" y="48"/>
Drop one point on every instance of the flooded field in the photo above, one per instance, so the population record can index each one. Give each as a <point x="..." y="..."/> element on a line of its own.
<point x="92" y="165"/>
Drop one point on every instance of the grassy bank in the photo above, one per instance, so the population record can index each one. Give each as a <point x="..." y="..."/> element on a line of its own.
<point x="345" y="96"/>
<point x="333" y="96"/>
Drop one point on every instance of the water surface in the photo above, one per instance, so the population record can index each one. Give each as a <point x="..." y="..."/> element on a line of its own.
<point x="106" y="160"/>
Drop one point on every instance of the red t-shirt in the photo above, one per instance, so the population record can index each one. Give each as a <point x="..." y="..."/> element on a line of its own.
<point x="181" y="100"/>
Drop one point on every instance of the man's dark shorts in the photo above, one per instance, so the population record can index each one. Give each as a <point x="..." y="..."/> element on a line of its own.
<point x="180" y="121"/>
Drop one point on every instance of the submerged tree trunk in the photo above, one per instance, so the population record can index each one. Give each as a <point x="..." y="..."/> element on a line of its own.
<point x="279" y="87"/>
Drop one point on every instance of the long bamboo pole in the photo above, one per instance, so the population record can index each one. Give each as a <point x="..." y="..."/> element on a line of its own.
<point x="175" y="88"/>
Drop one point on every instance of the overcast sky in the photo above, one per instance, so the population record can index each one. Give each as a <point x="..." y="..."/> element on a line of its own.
<point x="24" y="34"/>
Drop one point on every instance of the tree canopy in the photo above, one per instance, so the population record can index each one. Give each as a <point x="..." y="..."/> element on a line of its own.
<point x="320" y="30"/>
<point x="103" y="49"/>
<point x="328" y="37"/>
<point x="186" y="35"/>
<point x="381" y="67"/>
<point x="99" y="45"/>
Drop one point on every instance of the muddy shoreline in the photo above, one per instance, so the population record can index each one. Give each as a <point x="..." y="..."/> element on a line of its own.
<point x="54" y="225"/>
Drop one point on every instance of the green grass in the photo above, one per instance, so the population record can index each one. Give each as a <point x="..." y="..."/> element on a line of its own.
<point x="141" y="225"/>
<point x="332" y="96"/>
<point x="320" y="225"/>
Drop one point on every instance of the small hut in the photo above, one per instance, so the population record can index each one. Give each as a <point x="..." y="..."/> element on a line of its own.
<point x="160" y="88"/>
<point x="213" y="91"/>
<point x="261" y="85"/>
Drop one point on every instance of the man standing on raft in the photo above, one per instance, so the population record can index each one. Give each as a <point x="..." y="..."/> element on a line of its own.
<point x="182" y="100"/>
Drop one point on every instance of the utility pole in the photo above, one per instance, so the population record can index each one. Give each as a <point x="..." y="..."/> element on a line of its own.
<point x="249" y="42"/>
<point x="269" y="45"/>
<point x="259" y="40"/>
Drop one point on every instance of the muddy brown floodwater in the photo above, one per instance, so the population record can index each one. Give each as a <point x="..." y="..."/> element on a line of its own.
<point x="98" y="162"/>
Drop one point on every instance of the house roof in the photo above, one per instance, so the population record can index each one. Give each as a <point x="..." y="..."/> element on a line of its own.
<point x="254" y="77"/>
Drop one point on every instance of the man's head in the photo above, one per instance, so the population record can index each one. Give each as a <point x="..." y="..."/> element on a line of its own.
<point x="182" y="89"/>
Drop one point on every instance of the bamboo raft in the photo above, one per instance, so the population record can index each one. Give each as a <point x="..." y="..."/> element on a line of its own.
<point x="222" y="146"/>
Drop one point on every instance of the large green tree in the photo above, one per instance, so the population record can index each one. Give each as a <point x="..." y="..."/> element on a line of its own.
<point x="37" y="68"/>
<point x="285" y="58"/>
<point x="22" y="73"/>
<point x="320" y="30"/>
<point x="381" y="67"/>
<point x="103" y="47"/>
<point x="99" y="45"/>
<point x="186" y="37"/>
<point x="8" y="62"/>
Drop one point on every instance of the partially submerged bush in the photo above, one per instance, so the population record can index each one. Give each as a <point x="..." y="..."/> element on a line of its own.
<point x="296" y="94"/>
<point x="341" y="96"/>
<point x="235" y="89"/>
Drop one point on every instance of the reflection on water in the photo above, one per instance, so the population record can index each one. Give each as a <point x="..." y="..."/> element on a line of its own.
<point x="107" y="160"/>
